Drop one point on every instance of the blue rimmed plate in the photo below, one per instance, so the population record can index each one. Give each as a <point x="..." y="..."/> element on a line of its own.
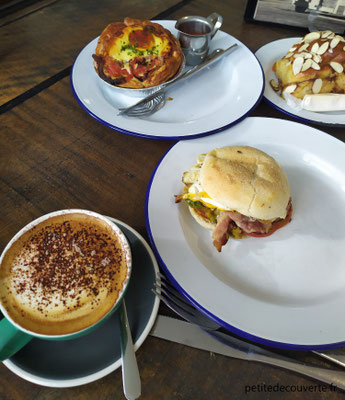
<point x="268" y="55"/>
<point x="287" y="289"/>
<point x="83" y="360"/>
<point x="210" y="101"/>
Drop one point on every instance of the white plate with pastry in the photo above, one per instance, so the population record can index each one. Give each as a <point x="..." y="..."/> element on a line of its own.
<point x="287" y="289"/>
<point x="271" y="53"/>
<point x="213" y="99"/>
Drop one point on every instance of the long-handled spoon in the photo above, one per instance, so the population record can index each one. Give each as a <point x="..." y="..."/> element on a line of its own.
<point x="130" y="372"/>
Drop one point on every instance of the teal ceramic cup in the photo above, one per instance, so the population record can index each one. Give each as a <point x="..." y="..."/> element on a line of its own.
<point x="92" y="258"/>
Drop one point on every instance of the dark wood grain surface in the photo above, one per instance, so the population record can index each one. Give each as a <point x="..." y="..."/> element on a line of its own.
<point x="54" y="156"/>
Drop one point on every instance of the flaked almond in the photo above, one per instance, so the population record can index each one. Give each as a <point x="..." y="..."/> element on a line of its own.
<point x="296" y="55"/>
<point x="315" y="47"/>
<point x="289" y="55"/>
<point x="303" y="47"/>
<point x="317" y="85"/>
<point x="274" y="85"/>
<point x="297" y="65"/>
<point x="325" y="34"/>
<point x="315" y="65"/>
<point x="293" y="49"/>
<point x="330" y="50"/>
<point x="344" y="48"/>
<point x="336" y="66"/>
<point x="312" y="36"/>
<point x="290" y="88"/>
<point x="334" y="43"/>
<point x="340" y="38"/>
<point x="306" y="65"/>
<point x="323" y="48"/>
<point x="306" y="55"/>
<point x="317" y="58"/>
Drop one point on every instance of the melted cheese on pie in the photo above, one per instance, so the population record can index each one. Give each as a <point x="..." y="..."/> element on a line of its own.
<point x="124" y="50"/>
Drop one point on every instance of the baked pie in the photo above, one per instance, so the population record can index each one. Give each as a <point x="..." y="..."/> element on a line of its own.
<point x="137" y="54"/>
<point x="313" y="65"/>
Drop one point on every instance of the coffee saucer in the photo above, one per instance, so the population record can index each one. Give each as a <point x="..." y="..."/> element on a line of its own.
<point x="83" y="360"/>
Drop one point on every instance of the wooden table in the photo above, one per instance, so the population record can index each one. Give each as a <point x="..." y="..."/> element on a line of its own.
<point x="54" y="156"/>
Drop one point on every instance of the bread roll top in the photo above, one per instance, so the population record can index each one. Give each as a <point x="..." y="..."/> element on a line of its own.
<point x="246" y="180"/>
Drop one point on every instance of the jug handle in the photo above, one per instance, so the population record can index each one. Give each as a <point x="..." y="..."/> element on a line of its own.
<point x="217" y="21"/>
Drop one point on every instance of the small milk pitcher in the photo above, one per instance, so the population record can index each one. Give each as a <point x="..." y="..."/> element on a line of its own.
<point x="195" y="33"/>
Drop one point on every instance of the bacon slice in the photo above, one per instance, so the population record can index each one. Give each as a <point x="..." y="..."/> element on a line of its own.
<point x="227" y="220"/>
<point x="220" y="234"/>
<point x="141" y="66"/>
<point x="111" y="71"/>
<point x="249" y="225"/>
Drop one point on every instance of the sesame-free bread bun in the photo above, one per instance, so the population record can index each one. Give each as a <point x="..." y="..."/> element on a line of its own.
<point x="200" y="220"/>
<point x="246" y="180"/>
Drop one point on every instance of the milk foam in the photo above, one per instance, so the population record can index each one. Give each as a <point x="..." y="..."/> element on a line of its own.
<point x="63" y="275"/>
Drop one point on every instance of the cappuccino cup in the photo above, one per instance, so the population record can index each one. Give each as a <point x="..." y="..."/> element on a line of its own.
<point x="61" y="276"/>
<point x="195" y="33"/>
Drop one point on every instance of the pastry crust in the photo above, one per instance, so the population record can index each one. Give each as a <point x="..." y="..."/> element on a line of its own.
<point x="137" y="54"/>
<point x="313" y="65"/>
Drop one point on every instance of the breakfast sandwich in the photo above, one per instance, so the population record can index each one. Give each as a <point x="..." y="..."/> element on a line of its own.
<point x="137" y="54"/>
<point x="237" y="191"/>
<point x="313" y="65"/>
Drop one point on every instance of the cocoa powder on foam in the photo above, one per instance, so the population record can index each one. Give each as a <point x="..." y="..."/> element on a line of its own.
<point x="63" y="274"/>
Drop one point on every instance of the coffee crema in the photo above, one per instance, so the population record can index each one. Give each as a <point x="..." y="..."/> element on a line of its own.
<point x="64" y="274"/>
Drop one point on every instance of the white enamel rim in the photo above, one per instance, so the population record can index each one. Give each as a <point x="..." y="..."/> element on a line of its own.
<point x="114" y="227"/>
<point x="64" y="383"/>
<point x="285" y="290"/>
<point x="217" y="97"/>
<point x="268" y="55"/>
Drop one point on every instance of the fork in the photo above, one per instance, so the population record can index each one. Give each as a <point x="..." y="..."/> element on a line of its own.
<point x="176" y="302"/>
<point x="155" y="101"/>
<point x="242" y="350"/>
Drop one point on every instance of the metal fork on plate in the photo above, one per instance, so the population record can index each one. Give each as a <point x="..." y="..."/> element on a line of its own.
<point x="176" y="302"/>
<point x="242" y="350"/>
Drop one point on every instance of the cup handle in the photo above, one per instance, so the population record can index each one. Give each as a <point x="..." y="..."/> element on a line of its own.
<point x="11" y="339"/>
<point x="217" y="21"/>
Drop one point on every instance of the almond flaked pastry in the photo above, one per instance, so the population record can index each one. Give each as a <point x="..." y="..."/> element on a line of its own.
<point x="336" y="66"/>
<point x="315" y="66"/>
<point x="307" y="65"/>
<point x="317" y="86"/>
<point x="323" y="48"/>
<point x="325" y="34"/>
<point x="315" y="47"/>
<point x="303" y="47"/>
<point x="307" y="55"/>
<point x="297" y="65"/>
<point x="317" y="58"/>
<point x="290" y="88"/>
<point x="310" y="37"/>
<point x="334" y="42"/>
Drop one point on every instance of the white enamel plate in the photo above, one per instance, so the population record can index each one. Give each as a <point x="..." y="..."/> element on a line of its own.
<point x="213" y="99"/>
<point x="286" y="290"/>
<point x="268" y="55"/>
